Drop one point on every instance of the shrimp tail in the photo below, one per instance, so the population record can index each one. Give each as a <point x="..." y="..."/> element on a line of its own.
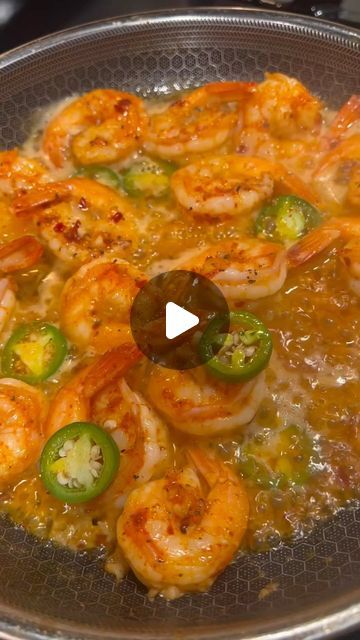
<point x="7" y="301"/>
<point x="72" y="402"/>
<point x="207" y="467"/>
<point x="68" y="406"/>
<point x="287" y="182"/>
<point x="311" y="245"/>
<point x="348" y="115"/>
<point x="346" y="149"/>
<point x="19" y="254"/>
<point x="39" y="197"/>
<point x="224" y="91"/>
<point x="347" y="225"/>
<point x="112" y="364"/>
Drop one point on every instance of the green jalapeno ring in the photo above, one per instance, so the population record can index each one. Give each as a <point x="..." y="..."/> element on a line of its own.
<point x="238" y="368"/>
<point x="102" y="174"/>
<point x="148" y="178"/>
<point x="32" y="343"/>
<point x="287" y="218"/>
<point x="62" y="461"/>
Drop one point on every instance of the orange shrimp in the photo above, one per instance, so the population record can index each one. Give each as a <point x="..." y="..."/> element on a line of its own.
<point x="100" y="127"/>
<point x="337" y="176"/>
<point x="179" y="533"/>
<point x="224" y="186"/>
<point x="20" y="173"/>
<point x="195" y="403"/>
<point x="321" y="238"/>
<point x="198" y="122"/>
<point x="20" y="254"/>
<point x="80" y="218"/>
<point x="22" y="413"/>
<point x="72" y="403"/>
<point x="99" y="393"/>
<point x="96" y="302"/>
<point x="244" y="269"/>
<point x="283" y="107"/>
<point x="347" y="116"/>
<point x="16" y="255"/>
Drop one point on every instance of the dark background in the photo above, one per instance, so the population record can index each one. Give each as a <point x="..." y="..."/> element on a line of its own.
<point x="24" y="20"/>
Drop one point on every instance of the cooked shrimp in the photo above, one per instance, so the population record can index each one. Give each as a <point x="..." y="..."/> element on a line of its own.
<point x="100" y="394"/>
<point x="22" y="413"/>
<point x="72" y="403"/>
<point x="7" y="302"/>
<point x="346" y="118"/>
<point x="226" y="186"/>
<point x="350" y="257"/>
<point x="321" y="238"/>
<point x="16" y="255"/>
<point x="299" y="155"/>
<point x="102" y="126"/>
<point x="198" y="122"/>
<point x="96" y="301"/>
<point x="337" y="177"/>
<point x="20" y="173"/>
<point x="244" y="269"/>
<point x="283" y="107"/>
<point x="79" y="218"/>
<point x="20" y="254"/>
<point x="178" y="536"/>
<point x="139" y="432"/>
<point x="196" y="403"/>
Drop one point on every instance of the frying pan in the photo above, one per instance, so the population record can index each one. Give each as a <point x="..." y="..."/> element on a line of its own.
<point x="47" y="591"/>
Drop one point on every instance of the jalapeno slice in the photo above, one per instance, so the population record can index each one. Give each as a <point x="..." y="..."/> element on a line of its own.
<point x="102" y="174"/>
<point x="148" y="178"/>
<point x="287" y="218"/>
<point x="279" y="460"/>
<point x="34" y="352"/>
<point x="245" y="350"/>
<point x="296" y="455"/>
<point x="79" y="462"/>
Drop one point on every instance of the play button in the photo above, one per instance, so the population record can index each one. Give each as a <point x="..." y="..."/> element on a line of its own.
<point x="178" y="320"/>
<point x="170" y="314"/>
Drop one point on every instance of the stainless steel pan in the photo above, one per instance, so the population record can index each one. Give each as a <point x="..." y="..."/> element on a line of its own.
<point x="49" y="592"/>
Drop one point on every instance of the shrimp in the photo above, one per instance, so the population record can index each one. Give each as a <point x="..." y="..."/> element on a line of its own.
<point x="344" y="121"/>
<point x="19" y="173"/>
<point x="22" y="414"/>
<point x="100" y="127"/>
<point x="16" y="255"/>
<point x="337" y="176"/>
<point x="298" y="155"/>
<point x="199" y="122"/>
<point x="178" y="535"/>
<point x="99" y="393"/>
<point x="343" y="228"/>
<point x="72" y="403"/>
<point x="79" y="218"/>
<point x="283" y="107"/>
<point x="7" y="301"/>
<point x="139" y="432"/>
<point x="20" y="254"/>
<point x="96" y="301"/>
<point x="244" y="269"/>
<point x="196" y="403"/>
<point x="350" y="257"/>
<point x="226" y="186"/>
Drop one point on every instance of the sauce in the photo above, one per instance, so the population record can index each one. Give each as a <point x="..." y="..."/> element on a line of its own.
<point x="300" y="456"/>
